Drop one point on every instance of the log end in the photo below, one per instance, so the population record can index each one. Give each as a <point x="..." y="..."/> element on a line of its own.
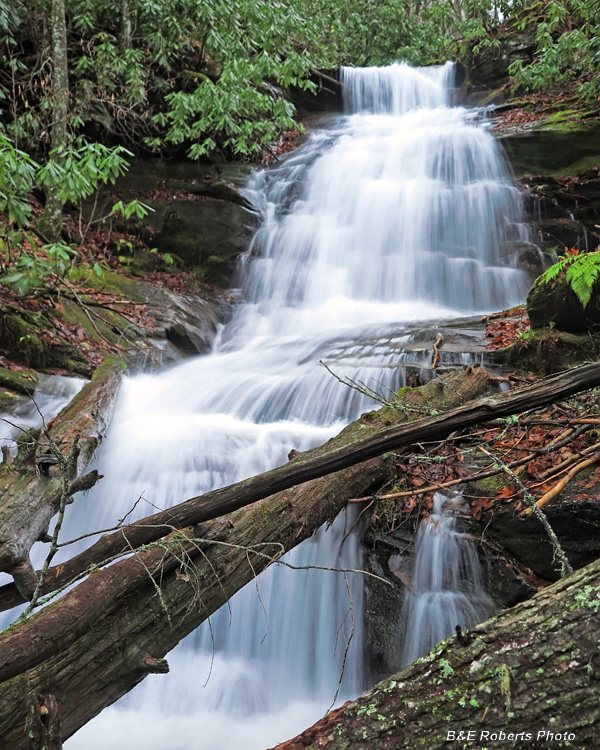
<point x="154" y="665"/>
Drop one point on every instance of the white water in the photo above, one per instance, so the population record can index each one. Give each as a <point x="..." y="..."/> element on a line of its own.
<point x="382" y="219"/>
<point x="447" y="586"/>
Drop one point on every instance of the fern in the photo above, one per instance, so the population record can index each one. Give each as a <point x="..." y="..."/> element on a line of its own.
<point x="581" y="272"/>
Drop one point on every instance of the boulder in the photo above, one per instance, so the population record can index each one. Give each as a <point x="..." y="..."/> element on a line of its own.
<point x="198" y="213"/>
<point x="556" y="305"/>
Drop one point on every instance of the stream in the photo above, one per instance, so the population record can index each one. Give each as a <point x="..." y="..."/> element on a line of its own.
<point x="397" y="212"/>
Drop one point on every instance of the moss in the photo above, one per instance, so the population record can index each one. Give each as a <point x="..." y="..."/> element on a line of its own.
<point x="74" y="315"/>
<point x="19" y="335"/>
<point x="556" y="146"/>
<point x="8" y="400"/>
<point x="491" y="486"/>
<point x="23" y="382"/>
<point x="547" y="350"/>
<point x="26" y="447"/>
<point x="110" y="282"/>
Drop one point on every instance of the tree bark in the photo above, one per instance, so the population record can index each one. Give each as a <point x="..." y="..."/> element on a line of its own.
<point x="374" y="439"/>
<point x="52" y="219"/>
<point x="102" y="638"/>
<point x="30" y="486"/>
<point x="531" y="671"/>
<point x="126" y="25"/>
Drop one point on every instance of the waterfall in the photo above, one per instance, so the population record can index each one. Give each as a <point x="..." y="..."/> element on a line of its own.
<point x="397" y="212"/>
<point x="447" y="587"/>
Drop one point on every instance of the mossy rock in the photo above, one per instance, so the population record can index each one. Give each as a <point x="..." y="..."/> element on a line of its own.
<point x="21" y="382"/>
<point x="21" y="339"/>
<point x="556" y="147"/>
<point x="547" y="350"/>
<point x="556" y="305"/>
<point x="8" y="401"/>
<point x="19" y="336"/>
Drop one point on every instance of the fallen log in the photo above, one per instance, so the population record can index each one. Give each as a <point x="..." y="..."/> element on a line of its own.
<point x="531" y="673"/>
<point x="320" y="463"/>
<point x="31" y="484"/>
<point x="108" y="633"/>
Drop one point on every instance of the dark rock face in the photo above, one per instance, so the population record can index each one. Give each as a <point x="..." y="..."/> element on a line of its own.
<point x="392" y="557"/>
<point x="525" y="255"/>
<point x="556" y="304"/>
<point x="199" y="214"/>
<point x="480" y="77"/>
<point x="206" y="234"/>
<point x="557" y="147"/>
<point x="565" y="210"/>
<point x="327" y="96"/>
<point x="576" y="523"/>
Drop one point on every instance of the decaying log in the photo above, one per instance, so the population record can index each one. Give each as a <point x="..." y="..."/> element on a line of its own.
<point x="30" y="485"/>
<point x="368" y="444"/>
<point x="43" y="723"/>
<point x="103" y="637"/>
<point x="532" y="671"/>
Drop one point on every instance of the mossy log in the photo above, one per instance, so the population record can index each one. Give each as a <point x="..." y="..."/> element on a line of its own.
<point x="30" y="485"/>
<point x="357" y="445"/>
<point x="102" y="638"/>
<point x="530" y="673"/>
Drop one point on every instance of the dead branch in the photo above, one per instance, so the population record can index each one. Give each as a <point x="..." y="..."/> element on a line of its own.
<point x="560" y="485"/>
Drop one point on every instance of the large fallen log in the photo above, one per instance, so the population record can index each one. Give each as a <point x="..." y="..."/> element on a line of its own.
<point x="529" y="677"/>
<point x="102" y="638"/>
<point x="367" y="444"/>
<point x="31" y="484"/>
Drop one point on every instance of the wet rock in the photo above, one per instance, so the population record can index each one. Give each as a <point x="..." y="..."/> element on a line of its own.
<point x="190" y="324"/>
<point x="383" y="626"/>
<point x="392" y="556"/>
<point x="554" y="148"/>
<point x="576" y="523"/>
<point x="565" y="211"/>
<point x="525" y="255"/>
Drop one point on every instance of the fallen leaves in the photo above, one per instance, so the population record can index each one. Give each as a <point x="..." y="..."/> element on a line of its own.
<point x="502" y="331"/>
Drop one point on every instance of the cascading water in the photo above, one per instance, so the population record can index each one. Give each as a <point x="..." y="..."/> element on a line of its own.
<point x="398" y="212"/>
<point x="447" y="587"/>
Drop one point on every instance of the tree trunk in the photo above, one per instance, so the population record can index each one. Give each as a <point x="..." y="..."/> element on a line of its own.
<point x="376" y="436"/>
<point x="102" y="638"/>
<point x="31" y="487"/>
<point x="52" y="219"/>
<point x="126" y="25"/>
<point x="530" y="672"/>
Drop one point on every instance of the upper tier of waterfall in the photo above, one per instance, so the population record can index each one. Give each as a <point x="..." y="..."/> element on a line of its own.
<point x="397" y="89"/>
